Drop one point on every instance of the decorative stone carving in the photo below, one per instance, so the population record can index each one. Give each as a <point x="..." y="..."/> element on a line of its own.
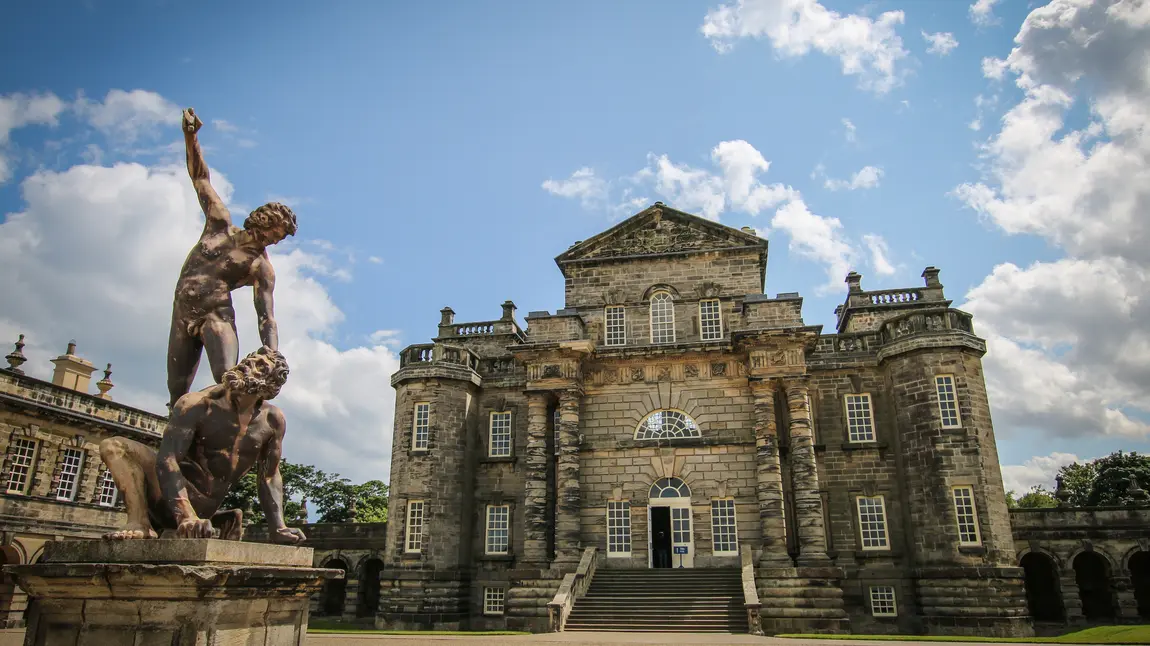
<point x="664" y="373"/>
<point x="849" y="344"/>
<point x="934" y="322"/>
<point x="552" y="371"/>
<point x="637" y="373"/>
<point x="718" y="369"/>
<point x="691" y="371"/>
<point x="663" y="235"/>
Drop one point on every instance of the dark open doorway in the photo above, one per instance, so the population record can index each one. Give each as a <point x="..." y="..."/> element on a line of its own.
<point x="661" y="537"/>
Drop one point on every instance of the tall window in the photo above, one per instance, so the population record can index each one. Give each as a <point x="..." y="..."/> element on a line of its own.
<point x="947" y="401"/>
<point x="666" y="424"/>
<point x="710" y="319"/>
<point x="493" y="601"/>
<point x="500" y="444"/>
<point x="618" y="528"/>
<point x="106" y="496"/>
<point x="23" y="452"/>
<point x="498" y="522"/>
<point x="860" y="419"/>
<point x="421" y="427"/>
<point x="69" y="474"/>
<point x="681" y="524"/>
<point x="882" y="601"/>
<point x="966" y="517"/>
<point x="872" y="523"/>
<point x="724" y="538"/>
<point x="616" y="328"/>
<point x="662" y="318"/>
<point x="413" y="542"/>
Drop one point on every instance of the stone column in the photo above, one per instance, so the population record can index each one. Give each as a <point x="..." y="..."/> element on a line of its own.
<point x="1071" y="601"/>
<point x="772" y="519"/>
<point x="805" y="478"/>
<point x="535" y="503"/>
<point x="568" y="548"/>
<point x="1125" y="603"/>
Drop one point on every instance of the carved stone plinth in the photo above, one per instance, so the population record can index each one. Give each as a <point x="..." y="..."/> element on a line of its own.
<point x="171" y="592"/>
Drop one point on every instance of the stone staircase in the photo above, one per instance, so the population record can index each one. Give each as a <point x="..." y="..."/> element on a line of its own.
<point x="662" y="600"/>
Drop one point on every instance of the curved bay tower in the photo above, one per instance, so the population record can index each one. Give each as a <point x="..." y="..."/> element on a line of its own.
<point x="672" y="427"/>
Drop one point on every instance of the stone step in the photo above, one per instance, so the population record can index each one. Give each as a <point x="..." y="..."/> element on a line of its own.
<point x="626" y="628"/>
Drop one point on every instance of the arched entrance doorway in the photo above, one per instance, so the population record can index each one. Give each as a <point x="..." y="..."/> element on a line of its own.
<point x="369" y="588"/>
<point x="1140" y="576"/>
<point x="1043" y="595"/>
<point x="669" y="538"/>
<point x="331" y="598"/>
<point x="1092" y="573"/>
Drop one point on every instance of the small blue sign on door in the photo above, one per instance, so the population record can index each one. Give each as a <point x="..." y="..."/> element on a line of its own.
<point x="680" y="549"/>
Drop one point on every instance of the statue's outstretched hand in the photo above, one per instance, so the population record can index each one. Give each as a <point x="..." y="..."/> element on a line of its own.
<point x="288" y="536"/>
<point x="194" y="528"/>
<point x="192" y="123"/>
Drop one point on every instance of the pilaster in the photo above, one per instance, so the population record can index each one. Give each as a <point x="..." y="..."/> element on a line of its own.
<point x="535" y="503"/>
<point x="568" y="546"/>
<point x="805" y="477"/>
<point x="772" y="518"/>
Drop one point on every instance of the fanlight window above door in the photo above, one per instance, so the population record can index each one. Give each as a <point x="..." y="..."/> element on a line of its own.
<point x="669" y="488"/>
<point x="667" y="424"/>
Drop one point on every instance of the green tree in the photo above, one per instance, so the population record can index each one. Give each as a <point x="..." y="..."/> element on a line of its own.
<point x="1037" y="498"/>
<point x="334" y="503"/>
<point x="1076" y="481"/>
<point x="329" y="495"/>
<point x="1113" y="475"/>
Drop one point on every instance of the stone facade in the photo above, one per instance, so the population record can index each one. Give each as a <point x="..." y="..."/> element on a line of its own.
<point x="53" y="484"/>
<point x="672" y="404"/>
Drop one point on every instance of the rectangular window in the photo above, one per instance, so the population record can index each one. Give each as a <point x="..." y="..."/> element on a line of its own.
<point x="947" y="401"/>
<point x="662" y="318"/>
<point x="967" y="519"/>
<point x="421" y="427"/>
<point x="616" y="328"/>
<point x="493" y="601"/>
<point x="618" y="528"/>
<point x="498" y="523"/>
<point x="681" y="524"/>
<point x="108" y="493"/>
<point x="724" y="537"/>
<point x="872" y="523"/>
<point x="23" y="452"/>
<point x="69" y="474"/>
<point x="882" y="601"/>
<point x="500" y="444"/>
<point x="710" y="319"/>
<point x="413" y="542"/>
<point x="860" y="419"/>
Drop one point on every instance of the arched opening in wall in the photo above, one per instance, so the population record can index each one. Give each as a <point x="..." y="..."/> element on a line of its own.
<point x="1092" y="573"/>
<point x="1140" y="577"/>
<point x="1042" y="591"/>
<point x="369" y="588"/>
<point x="331" y="598"/>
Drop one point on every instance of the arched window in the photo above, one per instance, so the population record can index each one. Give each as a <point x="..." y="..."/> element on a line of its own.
<point x="669" y="488"/>
<point x="662" y="318"/>
<point x="667" y="424"/>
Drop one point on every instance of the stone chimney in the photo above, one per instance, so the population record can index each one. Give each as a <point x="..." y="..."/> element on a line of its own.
<point x="72" y="371"/>
<point x="508" y="311"/>
<point x="854" y="282"/>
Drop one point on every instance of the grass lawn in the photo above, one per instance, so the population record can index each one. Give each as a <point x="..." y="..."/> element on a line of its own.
<point x="1097" y="635"/>
<point x="333" y="627"/>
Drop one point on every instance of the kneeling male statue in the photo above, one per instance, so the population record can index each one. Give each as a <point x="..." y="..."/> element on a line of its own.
<point x="214" y="437"/>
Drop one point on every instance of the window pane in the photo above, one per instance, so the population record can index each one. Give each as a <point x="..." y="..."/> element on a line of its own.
<point x="723" y="530"/>
<point x="616" y="327"/>
<point x="500" y="434"/>
<point x="947" y="401"/>
<point x="964" y="512"/>
<point x="421" y="431"/>
<point x="710" y="320"/>
<point x="493" y="601"/>
<point x="872" y="523"/>
<point x="414" y="526"/>
<point x="882" y="601"/>
<point x="108" y="492"/>
<point x="681" y="524"/>
<point x="662" y="318"/>
<point x="860" y="425"/>
<point x="619" y="528"/>
<point x="498" y="517"/>
<point x="22" y="451"/>
<point x="69" y="474"/>
<point x="666" y="424"/>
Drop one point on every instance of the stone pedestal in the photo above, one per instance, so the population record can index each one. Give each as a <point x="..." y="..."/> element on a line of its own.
<point x="170" y="592"/>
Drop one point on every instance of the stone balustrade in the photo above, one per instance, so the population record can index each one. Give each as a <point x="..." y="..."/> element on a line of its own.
<point x="426" y="353"/>
<point x="80" y="404"/>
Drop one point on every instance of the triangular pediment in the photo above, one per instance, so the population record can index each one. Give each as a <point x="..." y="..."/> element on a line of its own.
<point x="659" y="230"/>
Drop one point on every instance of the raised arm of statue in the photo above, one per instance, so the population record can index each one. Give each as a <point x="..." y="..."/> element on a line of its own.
<point x="263" y="290"/>
<point x="271" y="488"/>
<point x="174" y="447"/>
<point x="218" y="217"/>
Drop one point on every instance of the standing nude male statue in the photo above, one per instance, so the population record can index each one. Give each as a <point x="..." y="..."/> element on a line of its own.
<point x="225" y="258"/>
<point x="214" y="437"/>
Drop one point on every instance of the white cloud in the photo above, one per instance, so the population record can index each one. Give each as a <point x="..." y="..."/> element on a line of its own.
<point x="869" y="48"/>
<point x="1069" y="351"/>
<point x="851" y="135"/>
<point x="1038" y="470"/>
<point x="981" y="12"/>
<point x="879" y="254"/>
<point x="375" y="260"/>
<point x="583" y="184"/>
<point x="225" y="126"/>
<point x="941" y="42"/>
<point x="817" y="238"/>
<point x="128" y="115"/>
<point x="93" y="255"/>
<point x="388" y="338"/>
<point x="18" y="110"/>
<point x="866" y="177"/>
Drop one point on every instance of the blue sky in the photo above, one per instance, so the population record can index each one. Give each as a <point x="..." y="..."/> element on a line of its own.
<point x="415" y="142"/>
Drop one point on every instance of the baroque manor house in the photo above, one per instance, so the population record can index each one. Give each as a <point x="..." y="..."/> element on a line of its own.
<point x="53" y="484"/>
<point x="675" y="431"/>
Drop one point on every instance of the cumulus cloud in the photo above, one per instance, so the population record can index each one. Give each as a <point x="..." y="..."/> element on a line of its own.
<point x="850" y="130"/>
<point x="866" y="177"/>
<point x="582" y="184"/>
<point x="941" y="42"/>
<point x="18" y="110"/>
<point x="869" y="48"/>
<point x="981" y="12"/>
<point x="1069" y="350"/>
<point x="1038" y="470"/>
<point x="818" y="238"/>
<point x="93" y="254"/>
<point x="879" y="254"/>
<point x="129" y="115"/>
